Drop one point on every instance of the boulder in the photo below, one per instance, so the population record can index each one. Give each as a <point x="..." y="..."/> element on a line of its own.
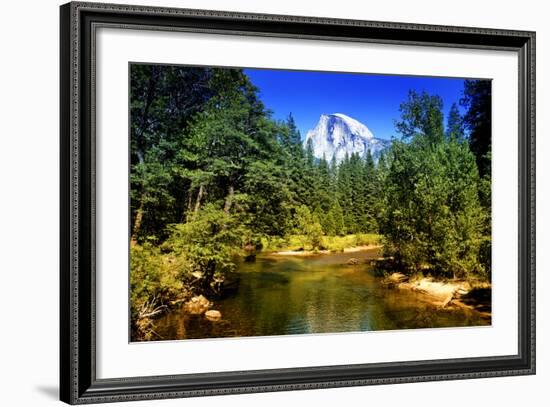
<point x="213" y="315"/>
<point x="353" y="261"/>
<point x="398" y="280"/>
<point x="197" y="305"/>
<point x="397" y="277"/>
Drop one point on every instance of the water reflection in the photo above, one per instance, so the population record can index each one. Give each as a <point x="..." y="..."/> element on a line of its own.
<point x="298" y="295"/>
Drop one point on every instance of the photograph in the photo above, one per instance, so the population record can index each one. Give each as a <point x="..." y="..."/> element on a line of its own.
<point x="269" y="202"/>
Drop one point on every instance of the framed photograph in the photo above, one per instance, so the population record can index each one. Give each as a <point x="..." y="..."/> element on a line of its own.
<point x="255" y="203"/>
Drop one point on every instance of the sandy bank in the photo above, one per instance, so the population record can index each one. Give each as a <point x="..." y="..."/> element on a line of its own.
<point x="361" y="248"/>
<point x="318" y="252"/>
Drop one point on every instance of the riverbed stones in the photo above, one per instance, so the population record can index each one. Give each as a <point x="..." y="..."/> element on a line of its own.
<point x="197" y="305"/>
<point x="213" y="315"/>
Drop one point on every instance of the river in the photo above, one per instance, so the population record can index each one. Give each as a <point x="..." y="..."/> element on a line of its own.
<point x="282" y="295"/>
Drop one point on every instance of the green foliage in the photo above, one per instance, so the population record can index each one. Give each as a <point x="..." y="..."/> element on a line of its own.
<point x="156" y="281"/>
<point x="153" y="274"/>
<point x="337" y="217"/>
<point x="356" y="185"/>
<point x="269" y="209"/>
<point x="309" y="227"/>
<point x="152" y="198"/>
<point x="330" y="243"/>
<point x="163" y="99"/>
<point x="434" y="219"/>
<point x="455" y="124"/>
<point x="209" y="240"/>
<point x="421" y="118"/>
<point x="339" y="243"/>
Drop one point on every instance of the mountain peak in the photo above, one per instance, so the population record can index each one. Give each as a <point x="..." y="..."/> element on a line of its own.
<point x="337" y="134"/>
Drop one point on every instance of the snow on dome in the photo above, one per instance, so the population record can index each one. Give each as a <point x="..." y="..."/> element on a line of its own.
<point x="337" y="135"/>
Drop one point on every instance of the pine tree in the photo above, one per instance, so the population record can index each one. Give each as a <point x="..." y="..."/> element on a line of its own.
<point x="309" y="177"/>
<point x="323" y="194"/>
<point x="477" y="101"/>
<point x="455" y="124"/>
<point x="338" y="216"/>
<point x="345" y="198"/>
<point x="379" y="189"/>
<point x="369" y="222"/>
<point x="358" y="191"/>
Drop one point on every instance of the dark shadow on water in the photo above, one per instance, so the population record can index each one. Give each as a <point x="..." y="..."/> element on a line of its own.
<point x="479" y="298"/>
<point x="51" y="392"/>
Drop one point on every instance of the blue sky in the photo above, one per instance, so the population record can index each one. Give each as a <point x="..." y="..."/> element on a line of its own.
<point x="372" y="99"/>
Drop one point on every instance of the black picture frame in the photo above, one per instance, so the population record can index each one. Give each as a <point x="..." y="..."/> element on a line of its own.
<point x="78" y="382"/>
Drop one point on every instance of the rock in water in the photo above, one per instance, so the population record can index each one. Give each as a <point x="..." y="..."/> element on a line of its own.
<point x="353" y="261"/>
<point x="396" y="280"/>
<point x="197" y="305"/>
<point x="213" y="315"/>
<point x="337" y="135"/>
<point x="397" y="277"/>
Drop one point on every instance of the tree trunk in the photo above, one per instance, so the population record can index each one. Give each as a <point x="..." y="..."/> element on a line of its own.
<point x="199" y="198"/>
<point x="229" y="199"/>
<point x="137" y="224"/>
<point x="139" y="213"/>
<point x="187" y="213"/>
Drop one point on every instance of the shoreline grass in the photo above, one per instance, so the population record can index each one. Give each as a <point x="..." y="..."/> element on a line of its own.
<point x="333" y="244"/>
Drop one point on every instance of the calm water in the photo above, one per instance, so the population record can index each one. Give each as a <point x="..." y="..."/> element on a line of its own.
<point x="297" y="295"/>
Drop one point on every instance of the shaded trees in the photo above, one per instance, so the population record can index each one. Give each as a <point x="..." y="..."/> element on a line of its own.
<point x="162" y="101"/>
<point x="477" y="120"/>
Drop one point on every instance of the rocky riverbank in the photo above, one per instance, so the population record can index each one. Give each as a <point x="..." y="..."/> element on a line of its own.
<point x="200" y="305"/>
<point x="458" y="293"/>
